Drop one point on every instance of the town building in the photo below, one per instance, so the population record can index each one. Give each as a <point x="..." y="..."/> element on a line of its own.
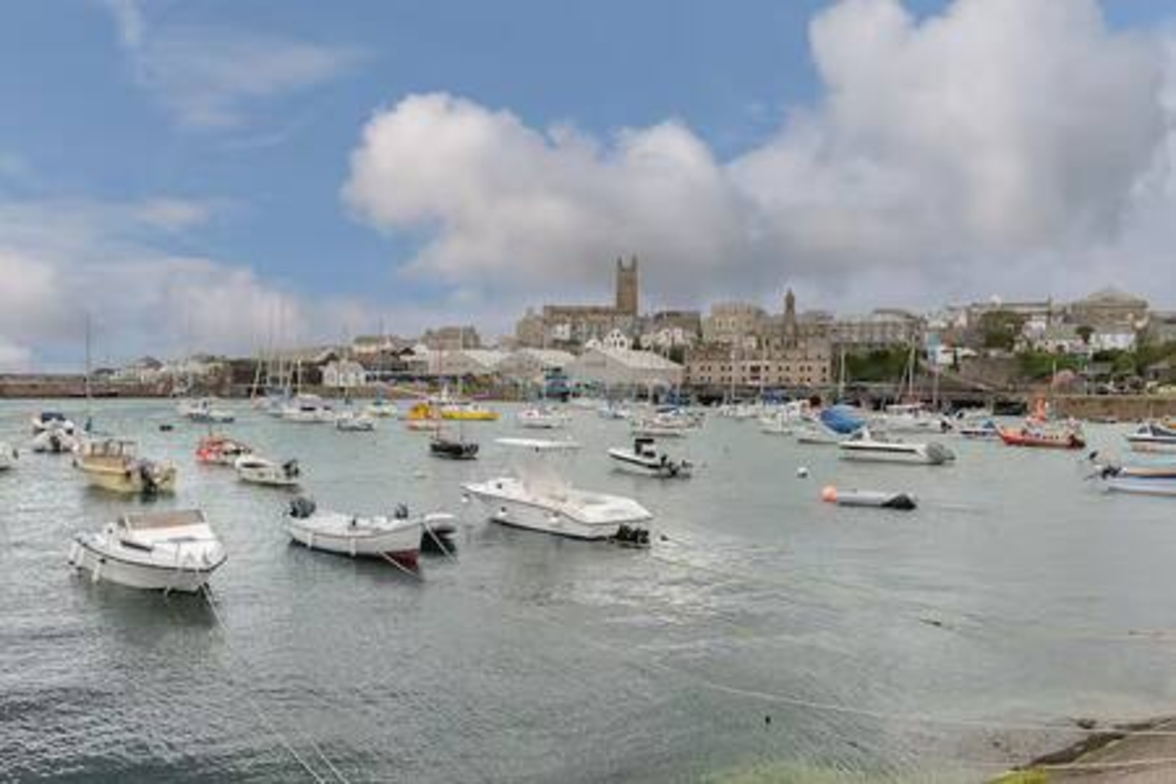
<point x="719" y="368"/>
<point x="463" y="363"/>
<point x="575" y="325"/>
<point x="625" y="369"/>
<point x="531" y="365"/>
<point x="733" y="324"/>
<point x="453" y="338"/>
<point x="670" y="329"/>
<point x="1109" y="310"/>
<point x="344" y="374"/>
<point x="881" y="329"/>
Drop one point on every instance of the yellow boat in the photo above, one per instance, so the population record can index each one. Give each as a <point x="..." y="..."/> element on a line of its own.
<point x="113" y="464"/>
<point x="467" y="412"/>
<point x="423" y="416"/>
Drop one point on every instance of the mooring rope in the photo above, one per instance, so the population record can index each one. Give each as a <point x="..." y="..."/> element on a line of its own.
<point x="261" y="714"/>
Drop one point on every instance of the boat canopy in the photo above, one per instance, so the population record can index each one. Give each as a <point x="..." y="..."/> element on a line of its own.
<point x="52" y="416"/>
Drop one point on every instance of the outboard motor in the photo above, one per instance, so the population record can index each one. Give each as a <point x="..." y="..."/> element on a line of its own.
<point x="147" y="477"/>
<point x="302" y="507"/>
<point x="290" y="468"/>
<point x="401" y="512"/>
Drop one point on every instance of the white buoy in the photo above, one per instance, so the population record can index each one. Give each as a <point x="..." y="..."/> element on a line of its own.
<point x="802" y="472"/>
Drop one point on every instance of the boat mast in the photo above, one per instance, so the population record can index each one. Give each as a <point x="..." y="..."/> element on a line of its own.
<point x="841" y="377"/>
<point x="89" y="399"/>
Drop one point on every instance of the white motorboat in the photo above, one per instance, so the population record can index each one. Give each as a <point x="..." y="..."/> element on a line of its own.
<point x="1138" y="485"/>
<point x="986" y="429"/>
<point x="909" y="418"/>
<point x="1152" y="437"/>
<point x="47" y="420"/>
<point x="8" y="456"/>
<point x="538" y="499"/>
<point x="113" y="464"/>
<point x="644" y="459"/>
<point x="382" y="408"/>
<point x="205" y="411"/>
<point x="162" y="551"/>
<point x="355" y="423"/>
<point x="258" y="470"/>
<point x="55" y="440"/>
<point x="308" y="409"/>
<point x="541" y="418"/>
<point x="864" y="446"/>
<point x="397" y="536"/>
<point x="664" y="424"/>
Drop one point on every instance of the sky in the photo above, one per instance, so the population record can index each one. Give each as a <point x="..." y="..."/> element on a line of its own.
<point x="233" y="174"/>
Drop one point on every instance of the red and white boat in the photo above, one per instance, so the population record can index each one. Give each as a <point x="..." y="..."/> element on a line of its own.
<point x="220" y="450"/>
<point x="1035" y="436"/>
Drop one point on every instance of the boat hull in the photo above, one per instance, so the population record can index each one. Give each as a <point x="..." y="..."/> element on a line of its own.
<point x="1163" y="486"/>
<point x="630" y="463"/>
<point x="1151" y="444"/>
<point x="103" y="565"/>
<point x="912" y="456"/>
<point x="506" y="508"/>
<point x="1017" y="438"/>
<point x="128" y="481"/>
<point x="402" y="544"/>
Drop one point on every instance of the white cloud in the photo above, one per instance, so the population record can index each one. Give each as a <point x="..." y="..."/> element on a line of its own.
<point x="211" y="77"/>
<point x="62" y="260"/>
<point x="1001" y="145"/>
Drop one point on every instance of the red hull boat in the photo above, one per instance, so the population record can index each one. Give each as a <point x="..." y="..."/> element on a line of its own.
<point x="1041" y="439"/>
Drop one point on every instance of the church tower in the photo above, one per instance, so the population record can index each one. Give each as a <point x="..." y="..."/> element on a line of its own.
<point x="791" y="337"/>
<point x="627" y="287"/>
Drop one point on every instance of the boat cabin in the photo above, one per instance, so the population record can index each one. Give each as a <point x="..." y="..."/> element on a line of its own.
<point x="110" y="447"/>
<point x="644" y="446"/>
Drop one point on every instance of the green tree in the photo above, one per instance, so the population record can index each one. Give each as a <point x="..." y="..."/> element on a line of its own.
<point x="999" y="329"/>
<point x="1085" y="332"/>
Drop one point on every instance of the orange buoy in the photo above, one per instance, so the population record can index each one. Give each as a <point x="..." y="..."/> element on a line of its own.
<point x="829" y="494"/>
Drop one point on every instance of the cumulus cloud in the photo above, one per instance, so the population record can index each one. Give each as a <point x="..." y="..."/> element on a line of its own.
<point x="62" y="260"/>
<point x="211" y="77"/>
<point x="1000" y="145"/>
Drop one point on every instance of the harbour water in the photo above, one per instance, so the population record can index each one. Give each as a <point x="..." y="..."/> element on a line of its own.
<point x="764" y="636"/>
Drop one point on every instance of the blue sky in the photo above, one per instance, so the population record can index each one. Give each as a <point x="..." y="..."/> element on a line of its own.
<point x="222" y="131"/>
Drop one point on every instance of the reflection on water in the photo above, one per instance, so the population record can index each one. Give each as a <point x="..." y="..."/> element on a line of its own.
<point x="766" y="635"/>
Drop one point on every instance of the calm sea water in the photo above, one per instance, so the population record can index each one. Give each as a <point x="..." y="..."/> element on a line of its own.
<point x="880" y="644"/>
